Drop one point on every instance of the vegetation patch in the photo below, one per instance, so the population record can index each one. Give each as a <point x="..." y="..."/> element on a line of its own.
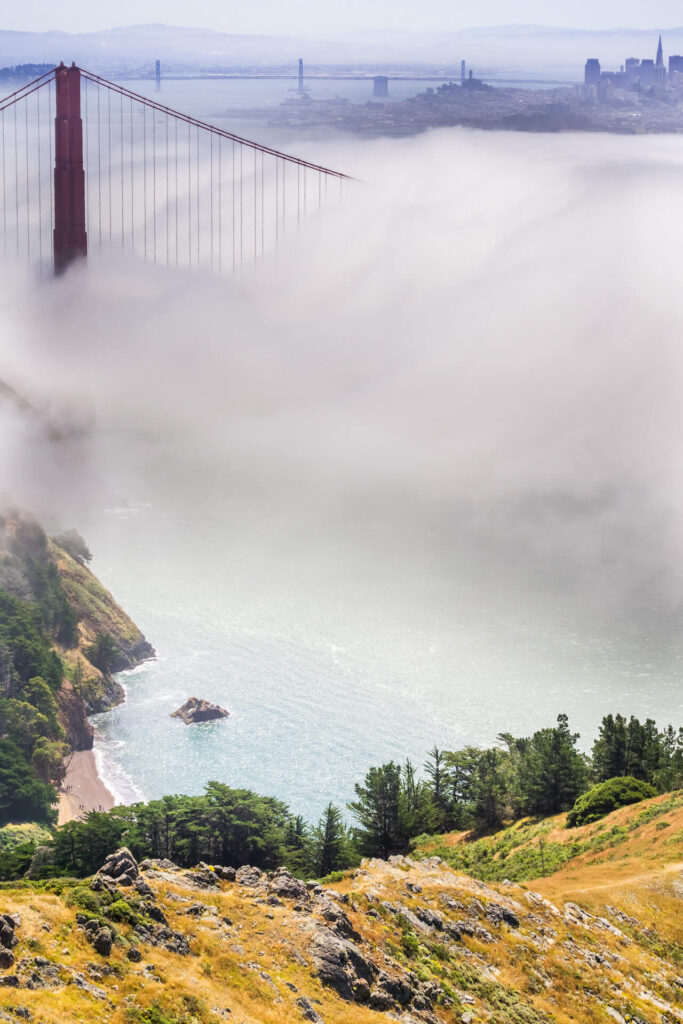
<point x="607" y="797"/>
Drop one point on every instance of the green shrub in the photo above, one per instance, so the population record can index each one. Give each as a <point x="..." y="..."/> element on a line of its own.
<point x="409" y="944"/>
<point x="122" y="911"/>
<point x="606" y="797"/>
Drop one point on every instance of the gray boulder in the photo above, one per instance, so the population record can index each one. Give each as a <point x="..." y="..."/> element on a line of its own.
<point x="225" y="874"/>
<point x="498" y="915"/>
<point x="121" y="867"/>
<point x="430" y="918"/>
<point x="249" y="876"/>
<point x="287" y="886"/>
<point x="8" y="941"/>
<point x="7" y="937"/>
<point x="391" y="992"/>
<point x="340" y="965"/>
<point x="307" y="1011"/>
<point x="102" y="941"/>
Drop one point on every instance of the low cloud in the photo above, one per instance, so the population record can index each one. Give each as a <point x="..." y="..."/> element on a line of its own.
<point x="476" y="360"/>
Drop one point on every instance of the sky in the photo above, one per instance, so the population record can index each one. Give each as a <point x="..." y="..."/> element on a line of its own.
<point x="334" y="16"/>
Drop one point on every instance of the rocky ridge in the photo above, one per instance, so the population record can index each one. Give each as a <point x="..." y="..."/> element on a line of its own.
<point x="393" y="941"/>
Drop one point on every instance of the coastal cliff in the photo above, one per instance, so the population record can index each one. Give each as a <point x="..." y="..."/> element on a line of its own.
<point x="62" y="639"/>
<point x="92" y="687"/>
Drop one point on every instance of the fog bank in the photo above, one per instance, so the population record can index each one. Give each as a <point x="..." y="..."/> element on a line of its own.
<point x="474" y="366"/>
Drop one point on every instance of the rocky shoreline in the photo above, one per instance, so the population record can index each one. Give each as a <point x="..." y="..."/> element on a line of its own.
<point x="83" y="788"/>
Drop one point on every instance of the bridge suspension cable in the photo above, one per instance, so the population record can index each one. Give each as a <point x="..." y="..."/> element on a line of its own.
<point x="124" y="173"/>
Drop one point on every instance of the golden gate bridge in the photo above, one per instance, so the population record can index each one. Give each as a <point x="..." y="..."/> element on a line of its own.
<point x="90" y="167"/>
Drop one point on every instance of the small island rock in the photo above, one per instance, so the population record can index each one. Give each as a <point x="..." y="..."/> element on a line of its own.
<point x="196" y="710"/>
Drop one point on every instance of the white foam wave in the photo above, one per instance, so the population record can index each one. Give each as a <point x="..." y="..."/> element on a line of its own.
<point x="118" y="782"/>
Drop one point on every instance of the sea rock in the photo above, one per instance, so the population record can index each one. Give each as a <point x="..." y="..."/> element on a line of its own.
<point x="109" y="694"/>
<point x="196" y="710"/>
<point x="121" y="867"/>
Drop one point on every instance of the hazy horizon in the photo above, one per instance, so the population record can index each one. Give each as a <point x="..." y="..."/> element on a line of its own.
<point x="266" y="17"/>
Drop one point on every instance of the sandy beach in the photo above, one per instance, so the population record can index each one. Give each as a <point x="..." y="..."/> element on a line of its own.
<point x="82" y="789"/>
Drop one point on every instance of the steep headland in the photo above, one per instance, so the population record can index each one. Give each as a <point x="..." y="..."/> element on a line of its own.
<point x="62" y="638"/>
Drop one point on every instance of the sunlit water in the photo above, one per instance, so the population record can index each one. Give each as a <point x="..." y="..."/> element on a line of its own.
<point x="327" y="669"/>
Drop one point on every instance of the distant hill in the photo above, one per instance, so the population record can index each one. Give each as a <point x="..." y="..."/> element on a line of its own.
<point x="532" y="49"/>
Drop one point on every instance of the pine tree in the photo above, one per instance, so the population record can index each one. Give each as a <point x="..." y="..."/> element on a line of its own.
<point x="552" y="773"/>
<point x="330" y="848"/>
<point x="609" y="749"/>
<point x="488" y="789"/>
<point x="377" y="811"/>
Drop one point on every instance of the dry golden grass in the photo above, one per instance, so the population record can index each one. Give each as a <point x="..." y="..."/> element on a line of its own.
<point x="530" y="975"/>
<point x="95" y="607"/>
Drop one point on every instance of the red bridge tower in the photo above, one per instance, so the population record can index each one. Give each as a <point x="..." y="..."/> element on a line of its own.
<point x="70" y="239"/>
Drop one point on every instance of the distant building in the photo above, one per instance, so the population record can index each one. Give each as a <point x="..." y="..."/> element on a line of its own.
<point x="592" y="71"/>
<point x="476" y="84"/>
<point x="675" y="65"/>
<point x="632" y="70"/>
<point x="380" y="87"/>
<point x="635" y="74"/>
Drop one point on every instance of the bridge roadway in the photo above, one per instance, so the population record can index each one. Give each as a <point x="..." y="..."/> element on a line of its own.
<point x="343" y="78"/>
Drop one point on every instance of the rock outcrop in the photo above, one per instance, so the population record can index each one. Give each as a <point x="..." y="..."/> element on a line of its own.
<point x="120" y="868"/>
<point x="8" y="940"/>
<point x="196" y="710"/>
<point x="73" y="718"/>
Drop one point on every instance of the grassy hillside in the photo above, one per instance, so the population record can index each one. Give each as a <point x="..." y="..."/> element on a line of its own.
<point x="96" y="610"/>
<point x="404" y="940"/>
<point x="644" y="836"/>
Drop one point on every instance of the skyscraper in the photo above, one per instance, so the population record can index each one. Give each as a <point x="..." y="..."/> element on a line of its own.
<point x="592" y="71"/>
<point x="659" y="63"/>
